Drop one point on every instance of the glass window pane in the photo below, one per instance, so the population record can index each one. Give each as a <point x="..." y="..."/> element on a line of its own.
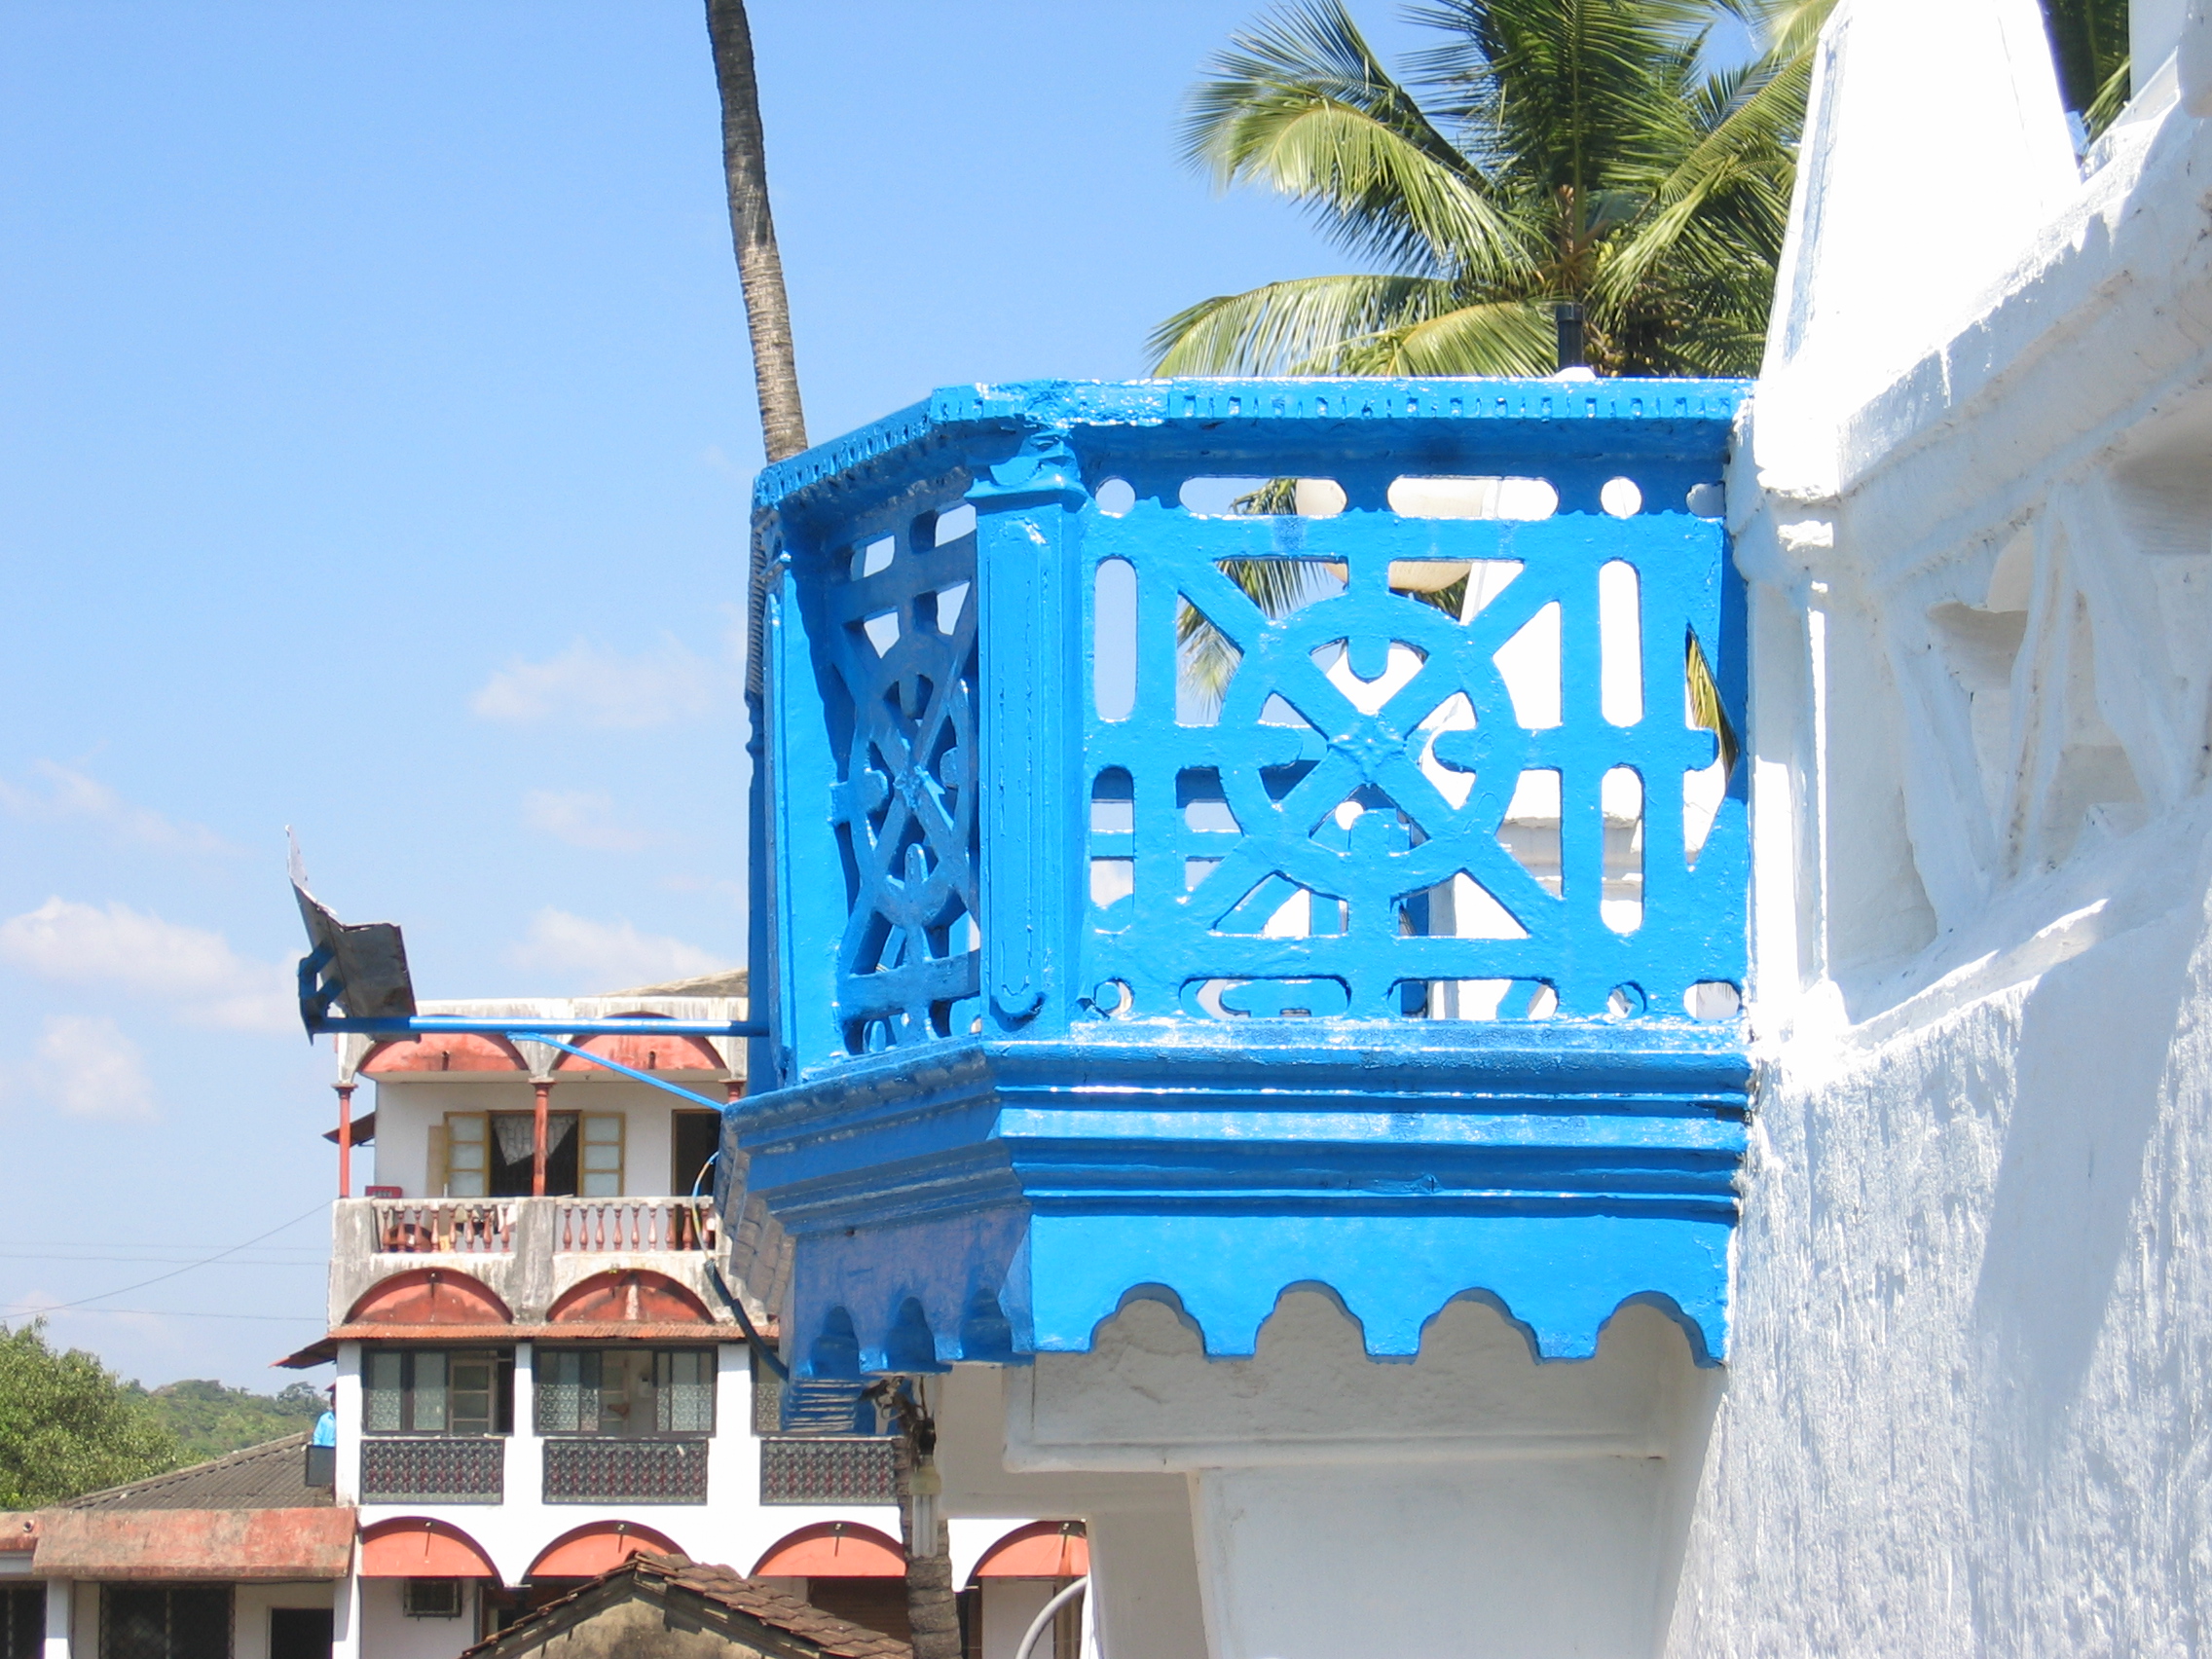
<point x="686" y="1403"/>
<point x="382" y="1382"/>
<point x="134" y="1622"/>
<point x="470" y="1393"/>
<point x="560" y="1390"/>
<point x="426" y="1393"/>
<point x="200" y="1622"/>
<point x="599" y="1173"/>
<point x="625" y="1398"/>
<point x="468" y="1155"/>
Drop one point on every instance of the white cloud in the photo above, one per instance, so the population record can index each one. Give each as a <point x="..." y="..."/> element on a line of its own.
<point x="590" y="685"/>
<point x="582" y="818"/>
<point x="608" y="955"/>
<point x="124" y="950"/>
<point x="89" y="1068"/>
<point x="70" y="794"/>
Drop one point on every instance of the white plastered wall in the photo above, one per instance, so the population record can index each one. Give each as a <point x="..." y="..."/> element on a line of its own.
<point x="733" y="1528"/>
<point x="1972" y="1316"/>
<point x="407" y="1108"/>
<point x="252" y="1603"/>
<point x="389" y="1632"/>
<point x="1471" y="1501"/>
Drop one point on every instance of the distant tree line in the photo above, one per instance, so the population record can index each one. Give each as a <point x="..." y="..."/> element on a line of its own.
<point x="70" y="1426"/>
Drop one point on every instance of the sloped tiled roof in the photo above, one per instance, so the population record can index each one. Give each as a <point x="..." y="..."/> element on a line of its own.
<point x="722" y="1586"/>
<point x="269" y="1476"/>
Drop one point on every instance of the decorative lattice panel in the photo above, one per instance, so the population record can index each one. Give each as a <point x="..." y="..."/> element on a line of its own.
<point x="626" y="1471"/>
<point x="901" y="642"/>
<point x="1383" y="767"/>
<point x="433" y="1469"/>
<point x="849" y="1468"/>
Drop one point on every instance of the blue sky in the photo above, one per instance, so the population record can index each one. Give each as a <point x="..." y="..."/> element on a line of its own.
<point x="375" y="436"/>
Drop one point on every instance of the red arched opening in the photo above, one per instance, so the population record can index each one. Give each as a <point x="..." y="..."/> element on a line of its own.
<point x="444" y="1051"/>
<point x="413" y="1547"/>
<point x="429" y="1296"/>
<point x="628" y="1294"/>
<point x="1042" y="1549"/>
<point x="833" y="1549"/>
<point x="602" y="1546"/>
<point x="648" y="1051"/>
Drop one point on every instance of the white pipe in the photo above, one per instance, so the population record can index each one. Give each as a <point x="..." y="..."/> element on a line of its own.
<point x="1037" y="1624"/>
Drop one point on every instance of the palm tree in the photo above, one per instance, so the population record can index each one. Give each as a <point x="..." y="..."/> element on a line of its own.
<point x="1567" y="152"/>
<point x="931" y="1604"/>
<point x="752" y="230"/>
<point x="2089" y="40"/>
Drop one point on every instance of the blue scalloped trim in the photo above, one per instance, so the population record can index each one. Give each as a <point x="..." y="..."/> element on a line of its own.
<point x="992" y="1289"/>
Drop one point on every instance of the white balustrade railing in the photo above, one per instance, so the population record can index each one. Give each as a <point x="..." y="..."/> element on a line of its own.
<point x="413" y="1227"/>
<point x="634" y="1224"/>
<point x="417" y="1227"/>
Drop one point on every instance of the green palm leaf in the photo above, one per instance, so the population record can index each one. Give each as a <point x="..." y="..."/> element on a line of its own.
<point x="1542" y="151"/>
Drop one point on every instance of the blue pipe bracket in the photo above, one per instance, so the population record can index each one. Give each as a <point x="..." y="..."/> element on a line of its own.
<point x="1217" y="835"/>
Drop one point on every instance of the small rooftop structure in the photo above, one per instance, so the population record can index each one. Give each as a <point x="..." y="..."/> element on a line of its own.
<point x="665" y="1604"/>
<point x="246" y="1516"/>
<point x="268" y="1476"/>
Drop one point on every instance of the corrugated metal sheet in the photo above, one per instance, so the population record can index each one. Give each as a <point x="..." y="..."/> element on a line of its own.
<point x="270" y="1476"/>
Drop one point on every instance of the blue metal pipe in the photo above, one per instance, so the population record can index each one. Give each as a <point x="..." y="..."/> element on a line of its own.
<point x="612" y="1065"/>
<point x="432" y="1025"/>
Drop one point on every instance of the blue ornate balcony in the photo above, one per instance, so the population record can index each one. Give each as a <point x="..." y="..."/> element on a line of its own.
<point x="1160" y="894"/>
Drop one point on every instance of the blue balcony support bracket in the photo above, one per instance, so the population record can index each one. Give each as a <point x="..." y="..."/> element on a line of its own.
<point x="1171" y="898"/>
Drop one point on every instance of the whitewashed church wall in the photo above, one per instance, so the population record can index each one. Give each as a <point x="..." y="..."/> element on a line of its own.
<point x="1972" y="1318"/>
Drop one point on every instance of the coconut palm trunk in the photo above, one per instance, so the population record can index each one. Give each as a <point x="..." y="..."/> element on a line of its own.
<point x="931" y="1606"/>
<point x="752" y="231"/>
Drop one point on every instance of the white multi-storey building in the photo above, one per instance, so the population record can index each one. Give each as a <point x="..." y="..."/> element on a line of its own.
<point x="542" y="1367"/>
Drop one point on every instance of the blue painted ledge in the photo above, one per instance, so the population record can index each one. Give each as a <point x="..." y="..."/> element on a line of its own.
<point x="988" y="1202"/>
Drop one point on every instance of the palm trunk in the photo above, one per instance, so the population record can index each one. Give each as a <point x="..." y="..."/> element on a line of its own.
<point x="752" y="230"/>
<point x="933" y="1606"/>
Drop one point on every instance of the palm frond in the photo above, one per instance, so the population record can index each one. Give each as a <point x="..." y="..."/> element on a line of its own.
<point x="1737" y="172"/>
<point x="1544" y="150"/>
<point x="2089" y="40"/>
<point x="1206" y="659"/>
<point x="1511" y="337"/>
<point x="1705" y="707"/>
<point x="2112" y="97"/>
<point x="1277" y="495"/>
<point x="1301" y="105"/>
<point x="1303" y="327"/>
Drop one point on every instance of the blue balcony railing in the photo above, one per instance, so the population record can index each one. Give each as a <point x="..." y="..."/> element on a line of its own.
<point x="1192" y="812"/>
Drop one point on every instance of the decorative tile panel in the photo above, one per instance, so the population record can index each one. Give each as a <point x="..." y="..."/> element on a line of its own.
<point x="610" y="1470"/>
<point x="829" y="1469"/>
<point x="433" y="1469"/>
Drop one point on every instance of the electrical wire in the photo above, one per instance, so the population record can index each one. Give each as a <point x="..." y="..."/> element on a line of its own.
<point x="25" y="1309"/>
<point x="152" y="1261"/>
<point x="208" y="1262"/>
